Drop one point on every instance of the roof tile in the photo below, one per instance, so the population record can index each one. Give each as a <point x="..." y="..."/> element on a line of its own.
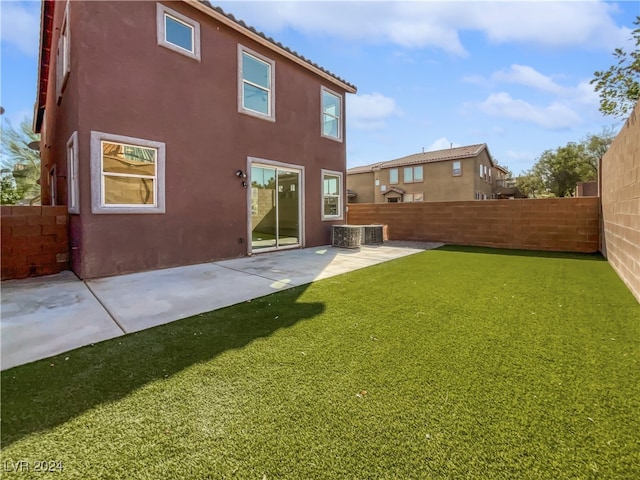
<point x="275" y="43"/>
<point x="468" y="151"/>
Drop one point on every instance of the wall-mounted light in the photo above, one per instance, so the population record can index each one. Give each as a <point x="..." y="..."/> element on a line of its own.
<point x="241" y="174"/>
<point x="244" y="184"/>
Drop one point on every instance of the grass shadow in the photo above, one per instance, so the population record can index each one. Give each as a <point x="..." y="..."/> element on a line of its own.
<point x="597" y="256"/>
<point x="46" y="393"/>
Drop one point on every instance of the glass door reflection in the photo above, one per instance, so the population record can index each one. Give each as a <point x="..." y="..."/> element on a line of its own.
<point x="275" y="207"/>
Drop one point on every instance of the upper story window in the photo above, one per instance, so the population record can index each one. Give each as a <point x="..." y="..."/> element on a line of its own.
<point x="393" y="176"/>
<point x="413" y="174"/>
<point x="127" y="174"/>
<point x="481" y="170"/>
<point x="331" y="114"/>
<point x="331" y="195"/>
<point x="177" y="32"/>
<point x="63" y="55"/>
<point x="456" y="168"/>
<point x="256" y="90"/>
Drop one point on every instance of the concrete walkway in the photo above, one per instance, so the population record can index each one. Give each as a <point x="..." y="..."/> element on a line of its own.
<point x="46" y="316"/>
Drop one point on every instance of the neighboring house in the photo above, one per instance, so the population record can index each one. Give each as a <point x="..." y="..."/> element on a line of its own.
<point x="454" y="174"/>
<point x="587" y="189"/>
<point x="505" y="187"/>
<point x="178" y="135"/>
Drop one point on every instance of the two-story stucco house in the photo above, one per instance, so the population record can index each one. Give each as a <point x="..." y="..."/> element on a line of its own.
<point x="454" y="174"/>
<point x="177" y="135"/>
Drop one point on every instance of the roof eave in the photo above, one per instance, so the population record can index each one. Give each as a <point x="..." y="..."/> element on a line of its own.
<point x="250" y="33"/>
<point x="44" y="57"/>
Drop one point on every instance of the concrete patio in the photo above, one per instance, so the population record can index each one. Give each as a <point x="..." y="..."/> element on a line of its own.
<point x="46" y="316"/>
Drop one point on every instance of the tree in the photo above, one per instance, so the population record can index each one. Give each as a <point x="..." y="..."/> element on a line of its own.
<point x="8" y="193"/>
<point x="596" y="146"/>
<point x="557" y="172"/>
<point x="619" y="86"/>
<point x="22" y="161"/>
<point x="531" y="185"/>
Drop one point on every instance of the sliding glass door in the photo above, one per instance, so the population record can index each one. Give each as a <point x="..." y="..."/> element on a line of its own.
<point x="275" y="207"/>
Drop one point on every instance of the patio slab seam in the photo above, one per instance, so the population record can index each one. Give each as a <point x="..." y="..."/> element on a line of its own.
<point x="115" y="320"/>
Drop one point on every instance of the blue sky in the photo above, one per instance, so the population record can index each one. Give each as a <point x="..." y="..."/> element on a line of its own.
<point x="514" y="75"/>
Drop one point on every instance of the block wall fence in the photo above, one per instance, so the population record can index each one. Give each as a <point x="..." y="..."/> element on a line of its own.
<point x="553" y="224"/>
<point x="34" y="241"/>
<point x="620" y="197"/>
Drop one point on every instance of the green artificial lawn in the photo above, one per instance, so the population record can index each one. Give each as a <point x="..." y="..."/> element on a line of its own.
<point x="457" y="363"/>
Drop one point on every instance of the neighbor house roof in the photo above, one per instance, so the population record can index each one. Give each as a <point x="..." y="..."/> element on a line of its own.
<point x="202" y="5"/>
<point x="470" y="151"/>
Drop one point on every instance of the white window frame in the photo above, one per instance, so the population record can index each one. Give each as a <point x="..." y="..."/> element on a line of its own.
<point x="456" y="172"/>
<point x="97" y="183"/>
<point x="324" y="90"/>
<point x="481" y="170"/>
<point x="411" y="197"/>
<point x="413" y="174"/>
<point x="271" y="116"/>
<point x="73" y="185"/>
<point x="340" y="176"/>
<point x="390" y="179"/>
<point x="162" y="11"/>
<point x="63" y="55"/>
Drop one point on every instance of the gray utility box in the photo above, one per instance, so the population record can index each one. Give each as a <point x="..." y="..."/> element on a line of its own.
<point x="352" y="236"/>
<point x="372" y="234"/>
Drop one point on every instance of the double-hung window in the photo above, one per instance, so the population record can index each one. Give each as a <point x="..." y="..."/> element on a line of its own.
<point x="177" y="32"/>
<point x="457" y="168"/>
<point x="331" y="195"/>
<point x="63" y="55"/>
<point x="256" y="88"/>
<point x="393" y="176"/>
<point x="127" y="174"/>
<point x="413" y="197"/>
<point x="331" y="114"/>
<point x="413" y="174"/>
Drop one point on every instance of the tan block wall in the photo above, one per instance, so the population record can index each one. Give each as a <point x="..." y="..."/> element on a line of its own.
<point x="35" y="241"/>
<point x="554" y="224"/>
<point x="620" y="174"/>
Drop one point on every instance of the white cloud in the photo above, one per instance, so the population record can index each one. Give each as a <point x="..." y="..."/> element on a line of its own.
<point x="441" y="144"/>
<point x="19" y="22"/>
<point x="370" y="111"/>
<point x="553" y="116"/>
<point x="530" y="77"/>
<point x="550" y="24"/>
<point x="586" y="95"/>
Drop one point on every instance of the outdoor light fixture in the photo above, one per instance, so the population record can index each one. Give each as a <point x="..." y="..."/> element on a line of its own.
<point x="241" y="174"/>
<point x="244" y="184"/>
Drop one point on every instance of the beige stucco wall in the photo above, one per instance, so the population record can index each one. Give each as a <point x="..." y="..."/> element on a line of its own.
<point x="362" y="184"/>
<point x="620" y="173"/>
<point x="438" y="185"/>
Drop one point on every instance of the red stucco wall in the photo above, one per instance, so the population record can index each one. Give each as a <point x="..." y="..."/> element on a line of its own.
<point x="123" y="83"/>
